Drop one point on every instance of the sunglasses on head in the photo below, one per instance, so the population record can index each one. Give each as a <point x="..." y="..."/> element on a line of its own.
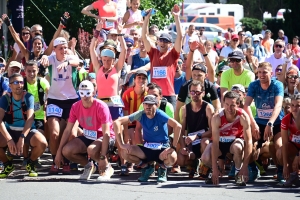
<point x="278" y="46"/>
<point x="129" y="45"/>
<point x="278" y="70"/>
<point x="293" y="77"/>
<point x="25" y="33"/>
<point x="194" y="92"/>
<point x="164" y="40"/>
<point x="85" y="93"/>
<point x="235" y="60"/>
<point x="17" y="82"/>
<point x="236" y="88"/>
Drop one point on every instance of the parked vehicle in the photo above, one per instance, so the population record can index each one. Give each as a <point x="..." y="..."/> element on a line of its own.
<point x="224" y="22"/>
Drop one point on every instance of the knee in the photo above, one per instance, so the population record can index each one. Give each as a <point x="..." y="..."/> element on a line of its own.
<point x="237" y="148"/>
<point x="171" y="160"/>
<point x="67" y="151"/>
<point x="205" y="158"/>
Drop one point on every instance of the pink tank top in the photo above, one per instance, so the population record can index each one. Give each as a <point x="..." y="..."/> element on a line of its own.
<point x="107" y="87"/>
<point x="134" y="16"/>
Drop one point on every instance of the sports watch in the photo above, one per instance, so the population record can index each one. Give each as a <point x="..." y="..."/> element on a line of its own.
<point x="270" y="124"/>
<point x="22" y="135"/>
<point x="102" y="157"/>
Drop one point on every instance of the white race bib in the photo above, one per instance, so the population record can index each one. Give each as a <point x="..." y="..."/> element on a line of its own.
<point x="37" y="106"/>
<point x="153" y="146"/>
<point x="92" y="135"/>
<point x="264" y="113"/>
<point x="14" y="128"/>
<point x="109" y="24"/>
<point x="160" y="72"/>
<point x="53" y="110"/>
<point x="117" y="101"/>
<point x="197" y="141"/>
<point x="227" y="138"/>
<point x="296" y="139"/>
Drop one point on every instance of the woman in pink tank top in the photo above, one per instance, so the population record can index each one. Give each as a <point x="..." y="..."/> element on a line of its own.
<point x="107" y="74"/>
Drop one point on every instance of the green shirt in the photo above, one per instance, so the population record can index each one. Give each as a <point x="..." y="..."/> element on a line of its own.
<point x="33" y="89"/>
<point x="228" y="78"/>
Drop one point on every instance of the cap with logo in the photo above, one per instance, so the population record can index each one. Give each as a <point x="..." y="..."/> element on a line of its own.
<point x="237" y="55"/>
<point x="59" y="40"/>
<point x="199" y="66"/>
<point x="86" y="85"/>
<point x="238" y="87"/>
<point x="15" y="64"/>
<point x="150" y="99"/>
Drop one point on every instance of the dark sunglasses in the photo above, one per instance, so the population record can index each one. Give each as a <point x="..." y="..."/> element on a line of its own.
<point x="278" y="46"/>
<point x="164" y="40"/>
<point x="235" y="40"/>
<point x="255" y="41"/>
<point x="242" y="35"/>
<point x="235" y="60"/>
<point x="193" y="92"/>
<point x="179" y="63"/>
<point x="25" y="33"/>
<point x="2" y="65"/>
<point x="17" y="82"/>
<point x="129" y="45"/>
<point x="293" y="77"/>
<point x="278" y="70"/>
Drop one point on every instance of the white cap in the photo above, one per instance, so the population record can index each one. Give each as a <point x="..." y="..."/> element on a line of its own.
<point x="86" y="85"/>
<point x="255" y="38"/>
<point x="59" y="40"/>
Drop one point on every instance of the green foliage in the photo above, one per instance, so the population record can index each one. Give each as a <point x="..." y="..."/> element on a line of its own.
<point x="274" y="25"/>
<point x="163" y="15"/>
<point x="251" y="24"/>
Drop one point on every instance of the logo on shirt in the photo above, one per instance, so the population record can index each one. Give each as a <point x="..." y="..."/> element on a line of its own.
<point x="155" y="128"/>
<point x="265" y="106"/>
<point x="61" y="78"/>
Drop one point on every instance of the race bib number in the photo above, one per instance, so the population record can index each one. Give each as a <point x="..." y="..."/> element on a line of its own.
<point x="109" y="24"/>
<point x="53" y="110"/>
<point x="159" y="72"/>
<point x="117" y="101"/>
<point x="154" y="146"/>
<point x="227" y="138"/>
<point x="264" y="114"/>
<point x="296" y="139"/>
<point x="37" y="106"/>
<point x="197" y="141"/>
<point x="92" y="135"/>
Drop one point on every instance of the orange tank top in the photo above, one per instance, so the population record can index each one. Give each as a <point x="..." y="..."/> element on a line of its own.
<point x="107" y="83"/>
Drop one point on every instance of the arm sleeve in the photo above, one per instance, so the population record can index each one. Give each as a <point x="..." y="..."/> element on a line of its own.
<point x="163" y="117"/>
<point x="72" y="116"/>
<point x="175" y="54"/>
<point x="95" y="5"/>
<point x="223" y="53"/>
<point x="151" y="52"/>
<point x="44" y="83"/>
<point x="136" y="116"/>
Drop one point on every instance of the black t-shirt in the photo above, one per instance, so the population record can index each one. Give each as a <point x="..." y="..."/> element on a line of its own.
<point x="211" y="93"/>
<point x="243" y="46"/>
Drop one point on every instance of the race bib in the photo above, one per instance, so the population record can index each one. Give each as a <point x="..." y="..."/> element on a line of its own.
<point x="117" y="101"/>
<point x="264" y="114"/>
<point x="197" y="141"/>
<point x="37" y="106"/>
<point x="153" y="146"/>
<point x="159" y="72"/>
<point x="14" y="128"/>
<point x="53" y="110"/>
<point x="296" y="139"/>
<point x="227" y="138"/>
<point x="109" y="24"/>
<point x="92" y="135"/>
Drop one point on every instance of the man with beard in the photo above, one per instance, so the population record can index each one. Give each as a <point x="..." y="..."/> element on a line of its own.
<point x="156" y="146"/>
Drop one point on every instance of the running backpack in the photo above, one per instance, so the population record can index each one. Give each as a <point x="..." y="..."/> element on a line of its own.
<point x="41" y="91"/>
<point x="163" y="104"/>
<point x="9" y="114"/>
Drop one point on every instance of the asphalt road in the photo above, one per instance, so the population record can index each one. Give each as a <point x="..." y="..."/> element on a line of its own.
<point x="179" y="186"/>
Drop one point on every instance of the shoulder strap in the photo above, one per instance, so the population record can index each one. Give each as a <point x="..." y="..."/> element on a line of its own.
<point x="163" y="104"/>
<point x="25" y="85"/>
<point x="24" y="106"/>
<point x="41" y="91"/>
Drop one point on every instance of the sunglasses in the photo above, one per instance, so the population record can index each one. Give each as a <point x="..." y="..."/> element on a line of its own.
<point x="38" y="30"/>
<point x="278" y="70"/>
<point x="17" y="82"/>
<point x="293" y="77"/>
<point x="85" y="93"/>
<point x="193" y="92"/>
<point x="235" y="40"/>
<point x="235" y="60"/>
<point x="278" y="46"/>
<point x="242" y="34"/>
<point x="25" y="33"/>
<point x="164" y="40"/>
<point x="129" y="45"/>
<point x="255" y="41"/>
<point x="2" y="65"/>
<point x="179" y="63"/>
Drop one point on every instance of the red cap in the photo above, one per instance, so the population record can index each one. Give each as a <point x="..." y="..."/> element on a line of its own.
<point x="234" y="36"/>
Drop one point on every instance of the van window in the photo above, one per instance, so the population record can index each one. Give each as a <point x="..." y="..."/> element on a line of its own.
<point x="202" y="13"/>
<point x="199" y="20"/>
<point x="190" y="18"/>
<point x="212" y="20"/>
<point x="231" y="13"/>
<point x="211" y="13"/>
<point x="218" y="11"/>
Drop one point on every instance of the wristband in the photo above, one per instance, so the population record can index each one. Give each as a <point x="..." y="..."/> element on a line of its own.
<point x="204" y="55"/>
<point x="96" y="34"/>
<point x="121" y="34"/>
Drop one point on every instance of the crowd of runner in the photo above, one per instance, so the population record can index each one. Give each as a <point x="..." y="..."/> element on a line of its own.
<point x="150" y="103"/>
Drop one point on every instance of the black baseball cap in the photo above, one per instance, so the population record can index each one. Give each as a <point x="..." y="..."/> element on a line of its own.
<point x="200" y="66"/>
<point x="150" y="99"/>
<point x="166" y="36"/>
<point x="237" y="55"/>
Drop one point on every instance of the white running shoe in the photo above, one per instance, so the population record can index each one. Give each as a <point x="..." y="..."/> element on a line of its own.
<point x="104" y="176"/>
<point x="89" y="169"/>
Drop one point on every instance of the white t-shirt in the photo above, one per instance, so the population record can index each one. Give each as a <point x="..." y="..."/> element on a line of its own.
<point x="227" y="50"/>
<point x="62" y="87"/>
<point x="197" y="56"/>
<point x="16" y="47"/>
<point x="275" y="62"/>
<point x="212" y="56"/>
<point x="186" y="47"/>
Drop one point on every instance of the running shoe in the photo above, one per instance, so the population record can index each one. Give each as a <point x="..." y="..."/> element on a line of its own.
<point x="162" y="174"/>
<point x="104" y="176"/>
<point x="7" y="170"/>
<point x="89" y="169"/>
<point x="66" y="170"/>
<point x="30" y="167"/>
<point x="24" y="163"/>
<point x="204" y="171"/>
<point x="74" y="166"/>
<point x="124" y="171"/>
<point x="231" y="174"/>
<point x="261" y="168"/>
<point x="192" y="172"/>
<point x="253" y="174"/>
<point x="53" y="170"/>
<point x="239" y="181"/>
<point x="146" y="172"/>
<point x="1" y="165"/>
<point x="293" y="180"/>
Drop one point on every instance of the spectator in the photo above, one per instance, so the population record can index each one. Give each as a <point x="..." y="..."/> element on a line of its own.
<point x="213" y="56"/>
<point x="13" y="68"/>
<point x="180" y="77"/>
<point x="190" y="31"/>
<point x="251" y="61"/>
<point x="153" y="30"/>
<point x="268" y="42"/>
<point x="295" y="50"/>
<point x="263" y="31"/>
<point x="281" y="36"/>
<point x="201" y="34"/>
<point x="242" y="45"/>
<point x="233" y="46"/>
<point x="133" y="18"/>
<point x="259" y="51"/>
